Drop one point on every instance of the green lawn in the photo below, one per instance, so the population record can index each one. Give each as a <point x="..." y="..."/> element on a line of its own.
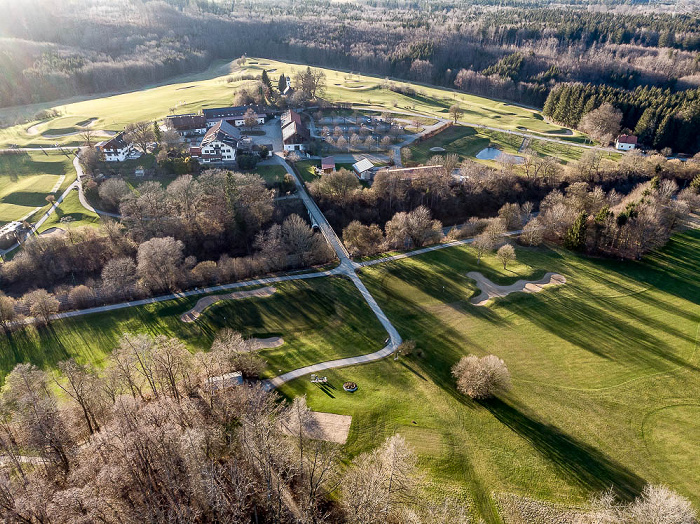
<point x="70" y="207"/>
<point x="306" y="170"/>
<point x="272" y="174"/>
<point x="213" y="88"/>
<point x="27" y="178"/>
<point x="318" y="319"/>
<point x="606" y="386"/>
<point x="466" y="142"/>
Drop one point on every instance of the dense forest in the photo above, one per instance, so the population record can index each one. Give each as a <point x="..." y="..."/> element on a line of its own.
<point x="92" y="46"/>
<point x="660" y="118"/>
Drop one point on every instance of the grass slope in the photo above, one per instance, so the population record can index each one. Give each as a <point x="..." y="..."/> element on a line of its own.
<point x="27" y="178"/>
<point x="318" y="319"/>
<point x="606" y="388"/>
<point x="217" y="87"/>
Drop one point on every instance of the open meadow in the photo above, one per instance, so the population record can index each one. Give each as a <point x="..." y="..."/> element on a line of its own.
<point x="605" y="375"/>
<point x="318" y="319"/>
<point x="216" y="87"/>
<point x="27" y="178"/>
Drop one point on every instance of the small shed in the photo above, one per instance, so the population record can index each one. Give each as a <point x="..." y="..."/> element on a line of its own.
<point x="363" y="169"/>
<point x="328" y="165"/>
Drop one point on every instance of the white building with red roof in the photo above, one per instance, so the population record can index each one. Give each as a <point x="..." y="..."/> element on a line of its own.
<point x="626" y="142"/>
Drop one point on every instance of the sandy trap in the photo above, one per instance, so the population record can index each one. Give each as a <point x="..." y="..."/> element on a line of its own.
<point x="203" y="303"/>
<point x="322" y="426"/>
<point x="264" y="343"/>
<point x="490" y="290"/>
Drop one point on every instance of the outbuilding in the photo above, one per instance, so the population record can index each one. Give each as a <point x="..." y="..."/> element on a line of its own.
<point x="363" y="169"/>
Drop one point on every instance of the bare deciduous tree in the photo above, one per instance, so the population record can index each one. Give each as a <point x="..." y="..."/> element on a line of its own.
<point x="456" y="112"/>
<point x="481" y="377"/>
<point x="41" y="304"/>
<point x="159" y="263"/>
<point x="603" y="123"/>
<point x="506" y="254"/>
<point x="7" y="310"/>
<point x="141" y="134"/>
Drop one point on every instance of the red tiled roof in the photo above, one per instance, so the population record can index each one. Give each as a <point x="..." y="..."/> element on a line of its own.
<point x="627" y="139"/>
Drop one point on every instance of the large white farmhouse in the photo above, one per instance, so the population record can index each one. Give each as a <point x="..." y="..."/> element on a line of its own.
<point x="219" y="145"/>
<point x="117" y="149"/>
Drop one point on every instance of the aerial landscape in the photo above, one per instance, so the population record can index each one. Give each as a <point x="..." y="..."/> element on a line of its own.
<point x="359" y="261"/>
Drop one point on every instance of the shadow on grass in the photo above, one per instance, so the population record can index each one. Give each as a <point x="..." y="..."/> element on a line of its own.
<point x="581" y="463"/>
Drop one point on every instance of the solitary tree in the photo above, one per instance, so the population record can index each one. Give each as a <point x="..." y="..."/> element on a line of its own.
<point x="88" y="136"/>
<point x="603" y="123"/>
<point x="265" y="79"/>
<point x="483" y="244"/>
<point x="250" y="119"/>
<point x="505" y="254"/>
<point x="7" y="310"/>
<point x="481" y="377"/>
<point x="456" y="112"/>
<point x="141" y="134"/>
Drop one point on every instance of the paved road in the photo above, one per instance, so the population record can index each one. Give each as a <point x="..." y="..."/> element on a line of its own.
<point x="346" y="268"/>
<point x="81" y="194"/>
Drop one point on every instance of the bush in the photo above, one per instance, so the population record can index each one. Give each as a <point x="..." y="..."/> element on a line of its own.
<point x="248" y="162"/>
<point x="481" y="377"/>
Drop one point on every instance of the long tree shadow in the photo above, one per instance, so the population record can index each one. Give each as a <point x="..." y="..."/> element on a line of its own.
<point x="579" y="462"/>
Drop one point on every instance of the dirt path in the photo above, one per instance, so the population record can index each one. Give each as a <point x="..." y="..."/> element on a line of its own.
<point x="203" y="303"/>
<point x="490" y="290"/>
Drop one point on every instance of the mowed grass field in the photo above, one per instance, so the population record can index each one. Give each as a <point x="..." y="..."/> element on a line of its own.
<point x="606" y="384"/>
<point x="319" y="319"/>
<point x="26" y="179"/>
<point x="467" y="142"/>
<point x="217" y="87"/>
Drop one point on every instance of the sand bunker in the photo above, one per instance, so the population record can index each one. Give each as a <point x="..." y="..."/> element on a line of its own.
<point x="323" y="426"/>
<point x="437" y="149"/>
<point x="264" y="343"/>
<point x="203" y="303"/>
<point x="490" y="290"/>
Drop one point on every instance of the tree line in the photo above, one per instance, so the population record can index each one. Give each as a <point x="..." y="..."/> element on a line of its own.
<point x="215" y="228"/>
<point x="517" y="54"/>
<point x="158" y="435"/>
<point x="660" y="118"/>
<point x="398" y="211"/>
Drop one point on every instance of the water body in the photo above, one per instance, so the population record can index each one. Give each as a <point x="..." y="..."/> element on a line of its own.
<point x="492" y="153"/>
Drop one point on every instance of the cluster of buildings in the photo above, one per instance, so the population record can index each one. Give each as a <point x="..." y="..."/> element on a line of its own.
<point x="295" y="136"/>
<point x="221" y="126"/>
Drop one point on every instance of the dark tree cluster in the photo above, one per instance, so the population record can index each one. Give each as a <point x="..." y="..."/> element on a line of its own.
<point x="198" y="231"/>
<point x="160" y="436"/>
<point x="659" y="117"/>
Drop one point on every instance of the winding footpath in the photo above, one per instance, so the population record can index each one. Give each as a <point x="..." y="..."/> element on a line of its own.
<point x="346" y="268"/>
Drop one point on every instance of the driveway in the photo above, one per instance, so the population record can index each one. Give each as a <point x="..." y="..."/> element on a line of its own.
<point x="273" y="135"/>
